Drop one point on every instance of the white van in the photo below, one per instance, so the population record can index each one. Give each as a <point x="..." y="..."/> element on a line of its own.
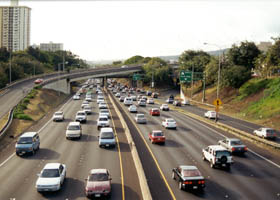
<point x="74" y="130"/>
<point x="107" y="138"/>
<point x="128" y="101"/>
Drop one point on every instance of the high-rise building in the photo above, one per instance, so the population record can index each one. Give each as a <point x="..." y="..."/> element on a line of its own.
<point x="15" y="26"/>
<point x="51" y="46"/>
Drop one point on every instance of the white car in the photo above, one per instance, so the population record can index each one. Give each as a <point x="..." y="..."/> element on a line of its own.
<point x="102" y="121"/>
<point x="104" y="112"/>
<point x="118" y="94"/>
<point x="100" y="99"/>
<point x="81" y="116"/>
<point x="142" y="102"/>
<point x="89" y="99"/>
<point x="210" y="114"/>
<point x="128" y="101"/>
<point x="164" y="107"/>
<point x="58" y="116"/>
<point x="107" y="138"/>
<point x="76" y="97"/>
<point x="85" y="103"/>
<point x="51" y="177"/>
<point x="169" y="123"/>
<point x="74" y="130"/>
<point x="150" y="101"/>
<point x="87" y="109"/>
<point x="186" y="102"/>
<point x="134" y="98"/>
<point x="265" y="133"/>
<point x="132" y="109"/>
<point x="102" y="105"/>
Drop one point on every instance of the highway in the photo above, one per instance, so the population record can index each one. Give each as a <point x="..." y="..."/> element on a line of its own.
<point x="18" y="175"/>
<point x="250" y="177"/>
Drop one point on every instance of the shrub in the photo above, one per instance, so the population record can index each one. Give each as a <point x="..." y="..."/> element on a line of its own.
<point x="23" y="117"/>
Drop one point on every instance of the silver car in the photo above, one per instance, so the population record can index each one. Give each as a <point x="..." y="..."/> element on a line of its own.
<point x="140" y="119"/>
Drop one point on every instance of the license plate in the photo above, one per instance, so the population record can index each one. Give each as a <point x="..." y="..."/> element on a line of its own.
<point x="107" y="145"/>
<point x="195" y="187"/>
<point x="158" y="139"/>
<point x="223" y="165"/>
<point x="97" y="195"/>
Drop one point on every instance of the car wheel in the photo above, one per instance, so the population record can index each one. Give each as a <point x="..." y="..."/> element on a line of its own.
<point x="33" y="152"/>
<point x="203" y="158"/>
<point x="180" y="185"/>
<point x="211" y="164"/>
<point x="98" y="127"/>
<point x="173" y="176"/>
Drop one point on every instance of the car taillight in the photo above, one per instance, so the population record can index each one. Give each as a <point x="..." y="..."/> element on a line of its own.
<point x="245" y="148"/>
<point x="201" y="182"/>
<point x="166" y="123"/>
<point x="188" y="182"/>
<point x="232" y="149"/>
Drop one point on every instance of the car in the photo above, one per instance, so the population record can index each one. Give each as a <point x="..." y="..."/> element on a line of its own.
<point x="98" y="183"/>
<point x="177" y="103"/>
<point x="39" y="81"/>
<point x="102" y="105"/>
<point x="186" y="102"/>
<point x="124" y="66"/>
<point x="87" y="109"/>
<point x="189" y="177"/>
<point x="169" y="123"/>
<point x="107" y="138"/>
<point x="85" y="103"/>
<point x="76" y="97"/>
<point x="156" y="136"/>
<point x="144" y="97"/>
<point x="171" y="97"/>
<point x="150" y="101"/>
<point x="121" y="99"/>
<point x="51" y="177"/>
<point x="100" y="99"/>
<point x="104" y="112"/>
<point x="103" y="121"/>
<point x="134" y="98"/>
<point x="142" y="102"/>
<point x="132" y="109"/>
<point x="117" y="95"/>
<point x="28" y="142"/>
<point x="140" y="119"/>
<point x="234" y="145"/>
<point x="148" y="93"/>
<point x="139" y="97"/>
<point x="155" y="95"/>
<point x="155" y="112"/>
<point x="58" y="116"/>
<point x="217" y="155"/>
<point x="210" y="114"/>
<point x="128" y="101"/>
<point x="89" y="99"/>
<point x="74" y="130"/>
<point x="164" y="107"/>
<point x="142" y="91"/>
<point x="81" y="116"/>
<point x="169" y="100"/>
<point x="265" y="133"/>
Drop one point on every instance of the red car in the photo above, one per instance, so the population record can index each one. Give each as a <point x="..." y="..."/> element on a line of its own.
<point x="38" y="81"/>
<point x="157" y="137"/>
<point x="154" y="112"/>
<point x="98" y="183"/>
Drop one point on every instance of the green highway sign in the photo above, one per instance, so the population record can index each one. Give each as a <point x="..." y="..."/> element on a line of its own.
<point x="185" y="76"/>
<point x="137" y="77"/>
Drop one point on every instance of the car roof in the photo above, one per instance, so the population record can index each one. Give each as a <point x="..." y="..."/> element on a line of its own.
<point x="57" y="112"/>
<point x="28" y="134"/>
<point x="188" y="167"/>
<point x="169" y="119"/>
<point x="98" y="171"/>
<point x="81" y="111"/>
<point x="140" y="114"/>
<point x="217" y="147"/>
<point x="233" y="139"/>
<point x="106" y="130"/>
<point x="74" y="123"/>
<point x="52" y="166"/>
<point x="157" y="131"/>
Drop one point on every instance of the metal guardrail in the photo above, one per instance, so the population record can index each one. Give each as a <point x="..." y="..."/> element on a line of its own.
<point x="8" y="123"/>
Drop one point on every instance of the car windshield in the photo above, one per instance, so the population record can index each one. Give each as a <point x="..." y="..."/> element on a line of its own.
<point x="270" y="131"/>
<point x="222" y="153"/>
<point x="191" y="173"/>
<point x="236" y="142"/>
<point x="57" y="114"/>
<point x="140" y="116"/>
<point x="103" y="119"/>
<point x="50" y="173"/>
<point x="107" y="135"/>
<point x="104" y="111"/>
<point x="170" y="120"/>
<point x="155" y="110"/>
<point x="158" y="134"/>
<point x="98" y="177"/>
<point x="81" y="113"/>
<point x="73" y="128"/>
<point x="25" y="140"/>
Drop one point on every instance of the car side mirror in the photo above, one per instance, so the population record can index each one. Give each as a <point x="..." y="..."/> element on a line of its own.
<point x="86" y="179"/>
<point x="38" y="174"/>
<point x="110" y="179"/>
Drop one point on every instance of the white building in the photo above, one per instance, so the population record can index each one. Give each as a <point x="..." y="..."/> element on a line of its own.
<point x="51" y="46"/>
<point x="15" y="27"/>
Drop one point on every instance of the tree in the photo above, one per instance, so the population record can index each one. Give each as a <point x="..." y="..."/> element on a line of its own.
<point x="118" y="62"/>
<point x="244" y="55"/>
<point x="3" y="77"/>
<point x="235" y="76"/>
<point x="4" y="54"/>
<point x="273" y="56"/>
<point x="211" y="71"/>
<point x="194" y="59"/>
<point x="134" y="60"/>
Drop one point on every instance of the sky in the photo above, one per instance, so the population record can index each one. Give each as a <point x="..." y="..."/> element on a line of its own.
<point x="113" y="30"/>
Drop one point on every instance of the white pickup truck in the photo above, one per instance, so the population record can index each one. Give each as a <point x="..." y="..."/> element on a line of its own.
<point x="265" y="133"/>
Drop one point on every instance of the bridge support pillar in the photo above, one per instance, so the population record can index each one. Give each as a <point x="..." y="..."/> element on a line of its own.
<point x="60" y="86"/>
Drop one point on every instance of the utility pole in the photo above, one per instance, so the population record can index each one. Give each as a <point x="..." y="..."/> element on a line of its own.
<point x="204" y="80"/>
<point x="63" y="61"/>
<point x="192" y="80"/>
<point x="10" y="66"/>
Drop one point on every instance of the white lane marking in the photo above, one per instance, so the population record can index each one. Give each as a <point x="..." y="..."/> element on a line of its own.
<point x="266" y="159"/>
<point x="3" y="163"/>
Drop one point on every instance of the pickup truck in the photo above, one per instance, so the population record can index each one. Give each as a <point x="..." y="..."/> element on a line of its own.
<point x="234" y="145"/>
<point x="265" y="133"/>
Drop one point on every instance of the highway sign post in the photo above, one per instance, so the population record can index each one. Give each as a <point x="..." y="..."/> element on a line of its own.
<point x="217" y="102"/>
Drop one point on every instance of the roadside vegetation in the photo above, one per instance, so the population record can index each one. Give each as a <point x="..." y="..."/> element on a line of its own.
<point x="34" y="62"/>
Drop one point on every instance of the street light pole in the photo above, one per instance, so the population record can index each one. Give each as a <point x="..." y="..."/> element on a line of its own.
<point x="219" y="70"/>
<point x="10" y="66"/>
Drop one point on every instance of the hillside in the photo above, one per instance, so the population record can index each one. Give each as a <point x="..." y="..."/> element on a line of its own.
<point x="258" y="101"/>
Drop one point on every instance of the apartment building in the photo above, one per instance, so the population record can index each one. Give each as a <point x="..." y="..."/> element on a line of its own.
<point x="15" y="27"/>
<point x="51" y="46"/>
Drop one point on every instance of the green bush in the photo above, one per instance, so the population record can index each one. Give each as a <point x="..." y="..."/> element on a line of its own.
<point x="26" y="100"/>
<point x="23" y="117"/>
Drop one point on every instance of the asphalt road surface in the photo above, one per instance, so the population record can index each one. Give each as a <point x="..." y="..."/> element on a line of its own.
<point x="18" y="175"/>
<point x="250" y="177"/>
